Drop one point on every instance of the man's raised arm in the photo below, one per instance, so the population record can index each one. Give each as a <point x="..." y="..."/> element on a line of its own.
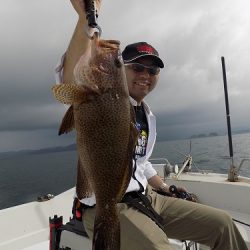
<point x="79" y="41"/>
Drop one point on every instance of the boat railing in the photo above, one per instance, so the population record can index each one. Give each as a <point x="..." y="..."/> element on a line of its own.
<point x="186" y="166"/>
<point x="167" y="167"/>
<point x="176" y="170"/>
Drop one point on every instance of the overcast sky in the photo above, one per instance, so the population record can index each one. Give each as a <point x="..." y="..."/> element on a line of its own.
<point x="190" y="36"/>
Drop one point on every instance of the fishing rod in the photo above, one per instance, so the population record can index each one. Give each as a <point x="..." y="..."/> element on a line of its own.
<point x="234" y="171"/>
<point x="231" y="173"/>
<point x="227" y="108"/>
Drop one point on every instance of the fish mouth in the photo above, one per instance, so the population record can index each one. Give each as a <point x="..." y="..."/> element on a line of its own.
<point x="101" y="68"/>
<point x="101" y="64"/>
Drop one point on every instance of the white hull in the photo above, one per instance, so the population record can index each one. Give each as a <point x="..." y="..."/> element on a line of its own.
<point x="27" y="226"/>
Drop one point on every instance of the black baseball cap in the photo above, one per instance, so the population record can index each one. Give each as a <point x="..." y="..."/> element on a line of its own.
<point x="141" y="49"/>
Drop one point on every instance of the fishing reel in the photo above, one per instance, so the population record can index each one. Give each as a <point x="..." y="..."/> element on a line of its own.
<point x="180" y="194"/>
<point x="174" y="192"/>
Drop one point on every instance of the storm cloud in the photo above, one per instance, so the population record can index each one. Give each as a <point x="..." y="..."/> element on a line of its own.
<point x="190" y="36"/>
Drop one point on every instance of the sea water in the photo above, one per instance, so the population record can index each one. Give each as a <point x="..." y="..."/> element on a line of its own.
<point x="25" y="177"/>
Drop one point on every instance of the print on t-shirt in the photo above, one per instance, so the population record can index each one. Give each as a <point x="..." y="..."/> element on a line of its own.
<point x="142" y="126"/>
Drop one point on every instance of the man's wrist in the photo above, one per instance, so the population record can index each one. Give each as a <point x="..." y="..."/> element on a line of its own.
<point x="164" y="187"/>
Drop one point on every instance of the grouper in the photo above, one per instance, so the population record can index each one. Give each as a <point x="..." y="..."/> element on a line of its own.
<point x="101" y="114"/>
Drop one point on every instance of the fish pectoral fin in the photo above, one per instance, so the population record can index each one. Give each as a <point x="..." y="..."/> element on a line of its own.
<point x="67" y="124"/>
<point x="68" y="93"/>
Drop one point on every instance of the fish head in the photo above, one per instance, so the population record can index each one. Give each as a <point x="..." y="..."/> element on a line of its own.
<point x="101" y="67"/>
<point x="99" y="70"/>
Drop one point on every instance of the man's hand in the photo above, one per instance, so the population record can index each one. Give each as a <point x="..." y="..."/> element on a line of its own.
<point x="181" y="189"/>
<point x="188" y="196"/>
<point x="79" y="7"/>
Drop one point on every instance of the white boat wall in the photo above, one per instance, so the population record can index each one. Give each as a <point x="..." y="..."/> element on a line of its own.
<point x="27" y="226"/>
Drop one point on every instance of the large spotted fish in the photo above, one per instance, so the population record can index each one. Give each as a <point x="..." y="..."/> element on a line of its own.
<point x="101" y="114"/>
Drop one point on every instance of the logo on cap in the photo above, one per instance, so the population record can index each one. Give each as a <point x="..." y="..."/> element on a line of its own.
<point x="145" y="48"/>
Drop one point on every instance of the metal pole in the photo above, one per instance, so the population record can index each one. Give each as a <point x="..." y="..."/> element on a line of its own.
<point x="227" y="109"/>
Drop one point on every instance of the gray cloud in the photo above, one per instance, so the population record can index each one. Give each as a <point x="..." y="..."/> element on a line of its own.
<point x="191" y="36"/>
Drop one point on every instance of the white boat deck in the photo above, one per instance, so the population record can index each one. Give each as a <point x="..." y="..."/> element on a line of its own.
<point x="40" y="246"/>
<point x="30" y="221"/>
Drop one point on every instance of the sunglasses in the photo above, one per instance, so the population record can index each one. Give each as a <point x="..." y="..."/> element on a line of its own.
<point x="137" y="67"/>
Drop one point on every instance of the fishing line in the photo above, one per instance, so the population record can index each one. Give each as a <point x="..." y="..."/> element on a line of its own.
<point x="241" y="222"/>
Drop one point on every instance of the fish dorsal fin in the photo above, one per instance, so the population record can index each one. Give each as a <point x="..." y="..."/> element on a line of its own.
<point x="69" y="93"/>
<point x="67" y="122"/>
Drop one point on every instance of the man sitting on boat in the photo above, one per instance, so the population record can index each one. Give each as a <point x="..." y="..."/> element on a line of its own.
<point x="161" y="217"/>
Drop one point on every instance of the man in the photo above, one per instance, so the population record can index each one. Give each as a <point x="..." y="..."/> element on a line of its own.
<point x="179" y="219"/>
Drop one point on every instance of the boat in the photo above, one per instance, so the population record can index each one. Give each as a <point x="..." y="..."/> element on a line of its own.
<point x="27" y="226"/>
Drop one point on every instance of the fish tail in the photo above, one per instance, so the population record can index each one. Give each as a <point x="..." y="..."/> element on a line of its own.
<point x="106" y="230"/>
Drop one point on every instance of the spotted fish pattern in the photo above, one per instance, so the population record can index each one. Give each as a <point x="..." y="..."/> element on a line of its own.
<point x="104" y="121"/>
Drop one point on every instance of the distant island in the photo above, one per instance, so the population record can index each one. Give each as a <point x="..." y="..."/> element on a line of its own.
<point x="71" y="147"/>
<point x="212" y="134"/>
<point x="204" y="135"/>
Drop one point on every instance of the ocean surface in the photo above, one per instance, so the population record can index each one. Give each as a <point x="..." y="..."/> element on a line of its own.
<point x="25" y="177"/>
